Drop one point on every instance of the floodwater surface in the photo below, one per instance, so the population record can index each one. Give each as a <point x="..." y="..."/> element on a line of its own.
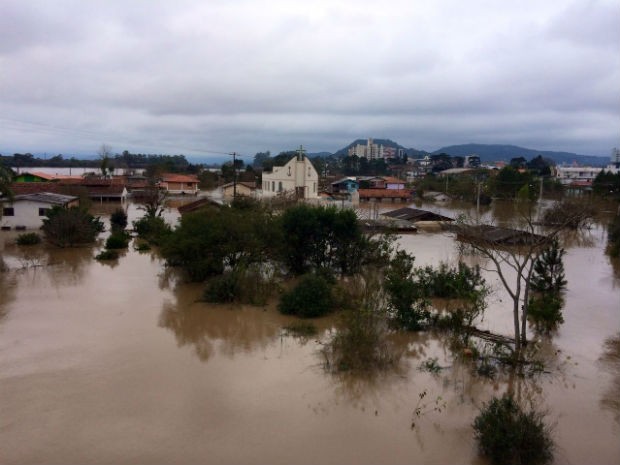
<point x="122" y="363"/>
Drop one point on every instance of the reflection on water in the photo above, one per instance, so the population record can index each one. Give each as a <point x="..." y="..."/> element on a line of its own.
<point x="113" y="358"/>
<point x="210" y="327"/>
<point x="611" y="362"/>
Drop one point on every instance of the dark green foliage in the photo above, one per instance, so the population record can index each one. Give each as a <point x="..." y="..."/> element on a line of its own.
<point x="613" y="237"/>
<point x="212" y="240"/>
<point x="508" y="182"/>
<point x="142" y="247"/>
<point x="321" y="238"/>
<point x="507" y="435"/>
<point x="545" y="311"/>
<point x="548" y="276"/>
<point x="548" y="282"/>
<point x="66" y="227"/>
<point x="28" y="239"/>
<point x="152" y="229"/>
<point x="117" y="240"/>
<point x="406" y="298"/>
<point x="223" y="288"/>
<point x="310" y="298"/>
<point x="107" y="255"/>
<point x="607" y="184"/>
<point x="462" y="282"/>
<point x="118" y="219"/>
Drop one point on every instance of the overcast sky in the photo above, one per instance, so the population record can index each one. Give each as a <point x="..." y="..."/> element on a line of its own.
<point x="203" y="76"/>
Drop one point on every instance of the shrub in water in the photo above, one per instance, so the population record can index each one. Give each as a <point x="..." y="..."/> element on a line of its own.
<point x="312" y="297"/>
<point x="118" y="219"/>
<point x="28" y="239"/>
<point x="508" y="435"/>
<point x="223" y="288"/>
<point x="117" y="241"/>
<point x="107" y="255"/>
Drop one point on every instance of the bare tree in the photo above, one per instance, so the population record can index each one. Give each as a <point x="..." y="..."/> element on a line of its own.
<point x="514" y="251"/>
<point x="105" y="153"/>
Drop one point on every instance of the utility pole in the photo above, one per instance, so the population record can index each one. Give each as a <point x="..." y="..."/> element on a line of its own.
<point x="478" y="200"/>
<point x="234" y="155"/>
<point x="541" y="189"/>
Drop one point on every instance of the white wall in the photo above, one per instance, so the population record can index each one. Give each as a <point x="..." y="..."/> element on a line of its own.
<point x="26" y="214"/>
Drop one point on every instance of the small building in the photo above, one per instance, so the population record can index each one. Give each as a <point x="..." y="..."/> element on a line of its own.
<point x="27" y="211"/>
<point x="297" y="177"/>
<point x="393" y="183"/>
<point x="242" y="188"/>
<point x="384" y="194"/>
<point x="179" y="184"/>
<point x="344" y="186"/>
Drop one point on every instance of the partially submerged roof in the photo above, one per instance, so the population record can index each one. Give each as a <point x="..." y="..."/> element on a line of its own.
<point x="414" y="214"/>
<point x="198" y="204"/>
<point x="494" y="235"/>
<point x="47" y="197"/>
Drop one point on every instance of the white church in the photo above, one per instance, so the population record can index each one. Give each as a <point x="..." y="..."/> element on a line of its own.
<point x="297" y="177"/>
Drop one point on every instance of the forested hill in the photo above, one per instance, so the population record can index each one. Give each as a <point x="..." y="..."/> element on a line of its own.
<point x="496" y="152"/>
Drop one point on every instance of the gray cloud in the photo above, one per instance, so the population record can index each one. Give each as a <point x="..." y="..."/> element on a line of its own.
<point x="250" y="76"/>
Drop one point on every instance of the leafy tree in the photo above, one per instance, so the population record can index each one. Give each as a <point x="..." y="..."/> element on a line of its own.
<point x="613" y="237"/>
<point x="548" y="276"/>
<point x="508" y="182"/>
<point x="67" y="227"/>
<point x="547" y="283"/>
<point x="311" y="298"/>
<point x="118" y="219"/>
<point x="321" y="238"/>
<point x="6" y="178"/>
<point x="406" y="298"/>
<point x="209" y="241"/>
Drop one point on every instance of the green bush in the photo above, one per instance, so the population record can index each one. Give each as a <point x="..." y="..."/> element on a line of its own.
<point x="311" y="298"/>
<point x="508" y="435"/>
<point x="545" y="311"/>
<point x="66" y="227"/>
<point x="117" y="241"/>
<point x="222" y="288"/>
<point x="118" y="219"/>
<point x="107" y="255"/>
<point x="152" y="229"/>
<point x="613" y="237"/>
<point x="28" y="239"/>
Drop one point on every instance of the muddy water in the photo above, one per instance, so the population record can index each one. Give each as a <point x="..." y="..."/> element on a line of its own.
<point x="121" y="364"/>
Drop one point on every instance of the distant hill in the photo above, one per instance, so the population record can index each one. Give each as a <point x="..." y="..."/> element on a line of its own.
<point x="496" y="152"/>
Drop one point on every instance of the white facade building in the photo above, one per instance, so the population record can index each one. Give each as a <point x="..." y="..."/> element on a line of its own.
<point x="28" y="211"/>
<point x="297" y="177"/>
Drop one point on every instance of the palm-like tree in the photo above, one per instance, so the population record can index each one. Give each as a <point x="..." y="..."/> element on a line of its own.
<point x="6" y="177"/>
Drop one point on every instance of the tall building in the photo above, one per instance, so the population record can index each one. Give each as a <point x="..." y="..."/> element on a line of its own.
<point x="371" y="150"/>
<point x="615" y="157"/>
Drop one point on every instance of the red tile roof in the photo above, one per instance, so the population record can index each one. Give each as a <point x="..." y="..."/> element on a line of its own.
<point x="171" y="177"/>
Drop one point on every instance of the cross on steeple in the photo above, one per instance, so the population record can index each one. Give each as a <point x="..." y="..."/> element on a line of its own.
<point x="300" y="153"/>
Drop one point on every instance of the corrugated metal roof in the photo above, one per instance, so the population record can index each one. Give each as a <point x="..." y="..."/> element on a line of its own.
<point x="47" y="197"/>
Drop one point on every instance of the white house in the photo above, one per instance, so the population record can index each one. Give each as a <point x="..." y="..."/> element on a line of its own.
<point x="297" y="177"/>
<point x="28" y="211"/>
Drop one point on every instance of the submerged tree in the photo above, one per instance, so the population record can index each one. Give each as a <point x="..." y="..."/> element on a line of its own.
<point x="512" y="254"/>
<point x="67" y="227"/>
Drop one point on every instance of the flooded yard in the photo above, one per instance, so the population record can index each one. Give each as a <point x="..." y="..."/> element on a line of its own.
<point x="121" y="362"/>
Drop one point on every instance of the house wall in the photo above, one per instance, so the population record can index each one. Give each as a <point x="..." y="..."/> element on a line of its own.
<point x="181" y="187"/>
<point x="26" y="214"/>
<point x="242" y="189"/>
<point x="294" y="174"/>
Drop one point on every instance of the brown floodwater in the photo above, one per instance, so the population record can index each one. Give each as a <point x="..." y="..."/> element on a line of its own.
<point x="121" y="363"/>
